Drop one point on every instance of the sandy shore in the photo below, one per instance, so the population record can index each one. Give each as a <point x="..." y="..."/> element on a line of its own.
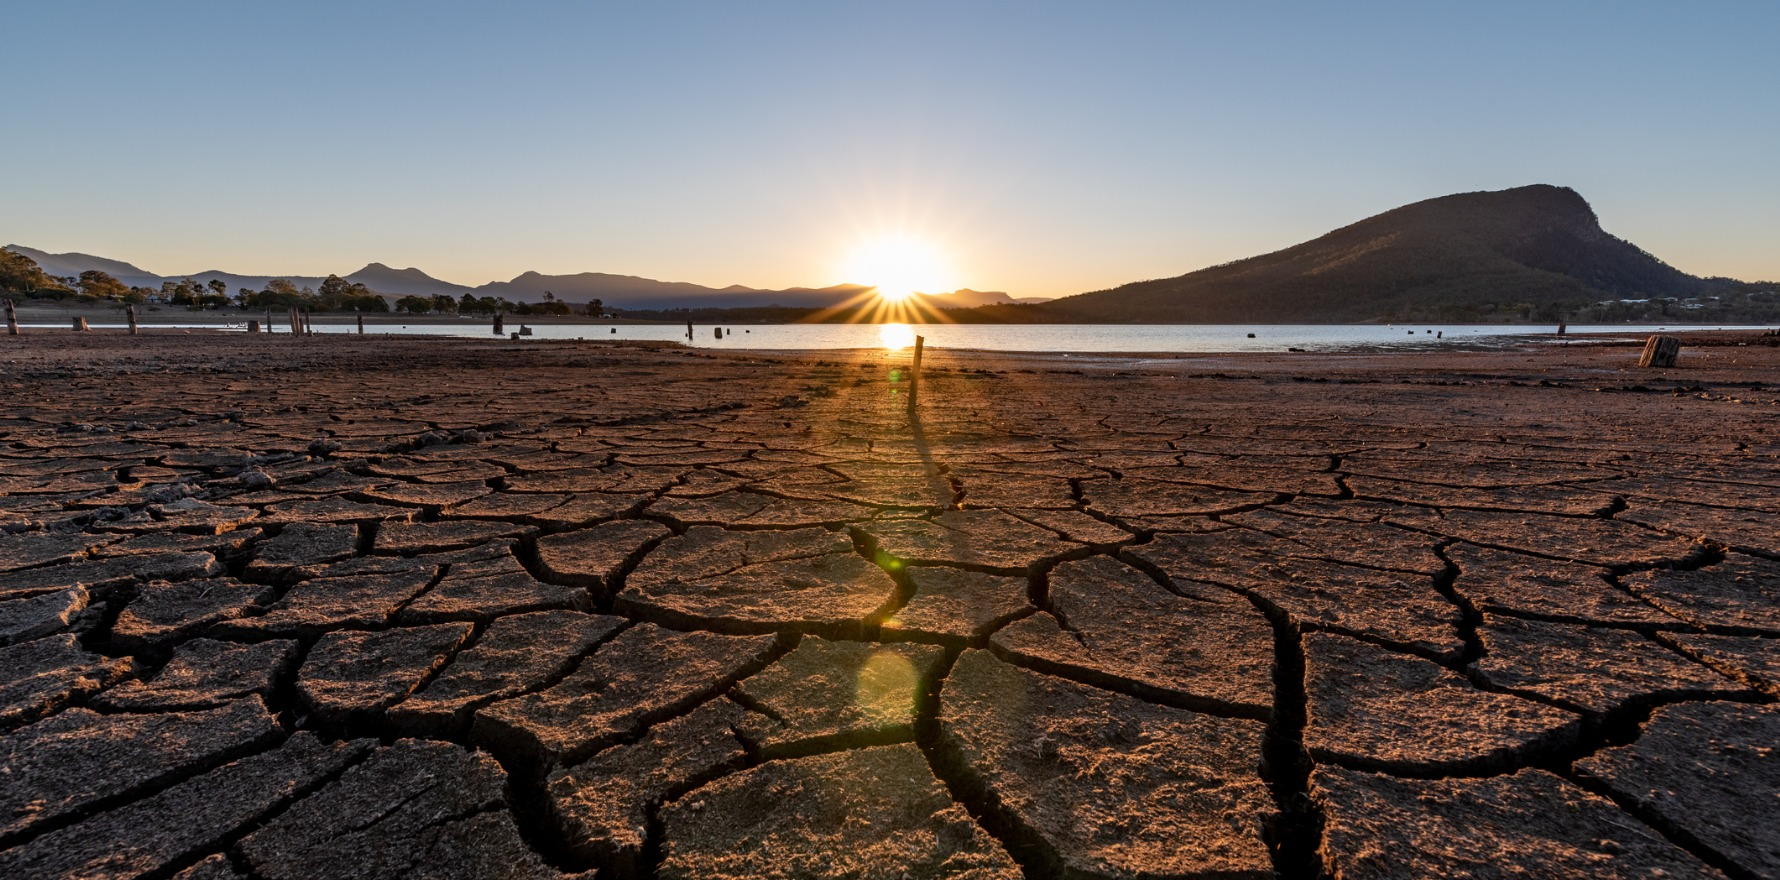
<point x="323" y="606"/>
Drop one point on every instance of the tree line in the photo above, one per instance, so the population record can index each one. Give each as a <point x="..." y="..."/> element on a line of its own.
<point x="22" y="278"/>
<point x="471" y="304"/>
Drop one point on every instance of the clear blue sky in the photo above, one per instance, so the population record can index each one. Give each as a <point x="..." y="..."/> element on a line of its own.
<point x="1046" y="148"/>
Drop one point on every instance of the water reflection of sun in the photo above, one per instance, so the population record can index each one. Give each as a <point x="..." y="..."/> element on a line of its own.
<point x="896" y="336"/>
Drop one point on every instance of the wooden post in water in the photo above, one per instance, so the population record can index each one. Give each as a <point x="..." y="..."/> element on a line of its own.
<point x="269" y="321"/>
<point x="130" y="311"/>
<point x="12" y="319"/>
<point x="915" y="374"/>
<point x="296" y="329"/>
<point x="308" y="325"/>
<point x="500" y="322"/>
<point x="688" y="331"/>
<point x="1660" y="351"/>
<point x="361" y="325"/>
<point x="253" y="326"/>
<point x="80" y="324"/>
<point x="719" y="332"/>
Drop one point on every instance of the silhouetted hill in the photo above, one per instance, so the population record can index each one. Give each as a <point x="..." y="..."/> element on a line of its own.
<point x="624" y="291"/>
<point x="1473" y="255"/>
<point x="72" y="264"/>
<point x="404" y="282"/>
<point x="615" y="291"/>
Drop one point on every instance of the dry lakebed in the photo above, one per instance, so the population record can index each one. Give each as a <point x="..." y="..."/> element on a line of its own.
<point x="367" y="607"/>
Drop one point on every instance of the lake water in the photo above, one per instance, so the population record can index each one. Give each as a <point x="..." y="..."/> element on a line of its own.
<point x="1029" y="337"/>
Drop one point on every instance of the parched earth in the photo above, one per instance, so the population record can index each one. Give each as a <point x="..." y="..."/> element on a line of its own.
<point x="367" y="607"/>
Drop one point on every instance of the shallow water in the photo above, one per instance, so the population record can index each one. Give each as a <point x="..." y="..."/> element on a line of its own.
<point x="1030" y="337"/>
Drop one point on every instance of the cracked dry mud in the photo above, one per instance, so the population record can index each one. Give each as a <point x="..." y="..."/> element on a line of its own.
<point x="349" y="607"/>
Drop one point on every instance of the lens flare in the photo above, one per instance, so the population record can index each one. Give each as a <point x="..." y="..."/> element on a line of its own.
<point x="886" y="687"/>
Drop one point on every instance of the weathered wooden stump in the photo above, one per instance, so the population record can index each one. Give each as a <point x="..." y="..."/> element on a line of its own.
<point x="308" y="325"/>
<point x="361" y="325"/>
<point x="915" y="373"/>
<point x="1660" y="351"/>
<point x="253" y="326"/>
<point x="1563" y="328"/>
<point x="500" y="322"/>
<point x="80" y="324"/>
<point x="12" y="319"/>
<point x="130" y="312"/>
<point x="719" y="332"/>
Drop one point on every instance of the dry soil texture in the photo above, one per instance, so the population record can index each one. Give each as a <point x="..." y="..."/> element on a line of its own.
<point x="368" y="607"/>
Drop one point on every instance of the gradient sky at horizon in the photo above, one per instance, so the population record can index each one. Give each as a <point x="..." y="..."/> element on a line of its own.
<point x="1048" y="149"/>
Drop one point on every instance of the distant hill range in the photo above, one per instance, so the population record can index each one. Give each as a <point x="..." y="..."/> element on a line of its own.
<point x="1531" y="252"/>
<point x="1536" y="245"/>
<point x="615" y="291"/>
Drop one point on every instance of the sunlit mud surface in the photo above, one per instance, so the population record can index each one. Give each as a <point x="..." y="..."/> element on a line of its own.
<point x="346" y="607"/>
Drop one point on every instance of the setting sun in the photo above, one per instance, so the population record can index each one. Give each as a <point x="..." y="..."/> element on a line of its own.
<point x="898" y="265"/>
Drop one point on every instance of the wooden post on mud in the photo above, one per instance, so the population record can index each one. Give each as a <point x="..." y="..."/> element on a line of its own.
<point x="361" y="325"/>
<point x="500" y="322"/>
<point x="12" y="319"/>
<point x="308" y="325"/>
<point x="1660" y="351"/>
<point x="130" y="312"/>
<point x="915" y="373"/>
<point x="296" y="329"/>
<point x="253" y="326"/>
<point x="1562" y="328"/>
<point x="80" y="324"/>
<point x="688" y="331"/>
<point x="269" y="321"/>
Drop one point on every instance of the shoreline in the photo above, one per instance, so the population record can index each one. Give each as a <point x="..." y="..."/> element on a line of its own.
<point x="1505" y="344"/>
<point x="49" y="313"/>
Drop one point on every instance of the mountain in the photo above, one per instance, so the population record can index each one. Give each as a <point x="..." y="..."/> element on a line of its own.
<point x="235" y="282"/>
<point x="1457" y="256"/>
<point x="615" y="291"/>
<point x="965" y="298"/>
<point x="404" y="282"/>
<point x="72" y="264"/>
<point x="623" y="291"/>
<point x="632" y="292"/>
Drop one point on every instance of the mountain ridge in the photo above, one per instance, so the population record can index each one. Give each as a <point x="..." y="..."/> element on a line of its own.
<point x="615" y="291"/>
<point x="1454" y="256"/>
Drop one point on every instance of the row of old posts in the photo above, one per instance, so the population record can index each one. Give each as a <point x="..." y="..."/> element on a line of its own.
<point x="301" y="323"/>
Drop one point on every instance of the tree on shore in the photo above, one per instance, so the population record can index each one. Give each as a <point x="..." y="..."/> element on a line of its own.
<point x="339" y="295"/>
<point x="594" y="308"/>
<point x="21" y="275"/>
<point x="95" y="284"/>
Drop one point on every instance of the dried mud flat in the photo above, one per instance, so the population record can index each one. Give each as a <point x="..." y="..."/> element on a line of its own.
<point x="348" y="607"/>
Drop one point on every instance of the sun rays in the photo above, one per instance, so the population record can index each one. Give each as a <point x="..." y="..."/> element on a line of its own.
<point x="897" y="274"/>
<point x="899" y="266"/>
